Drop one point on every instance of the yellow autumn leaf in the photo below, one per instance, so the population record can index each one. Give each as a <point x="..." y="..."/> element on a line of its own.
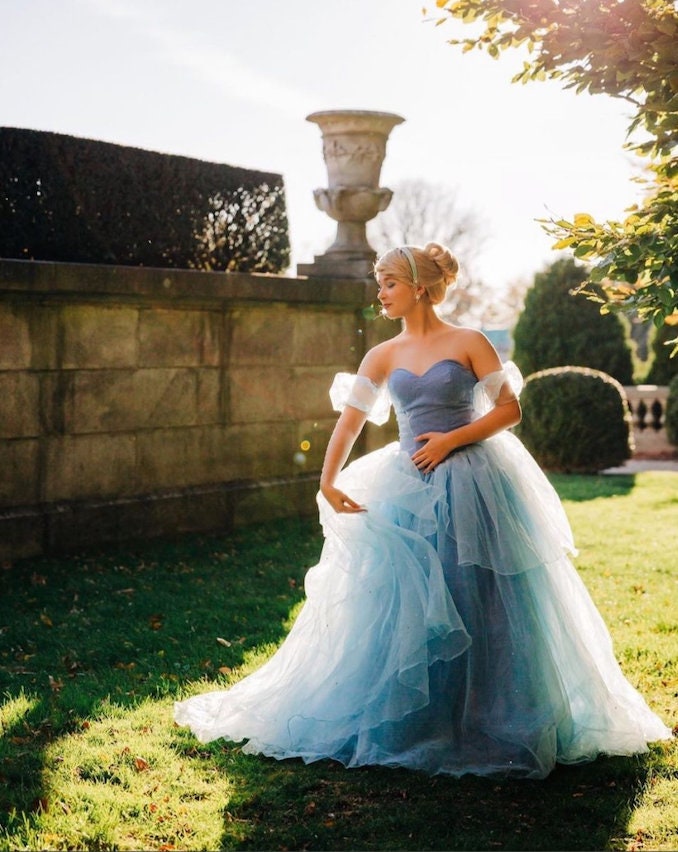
<point x="583" y="220"/>
<point x="561" y="244"/>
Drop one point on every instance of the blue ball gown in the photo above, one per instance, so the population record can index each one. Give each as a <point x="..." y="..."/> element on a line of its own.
<point x="445" y="629"/>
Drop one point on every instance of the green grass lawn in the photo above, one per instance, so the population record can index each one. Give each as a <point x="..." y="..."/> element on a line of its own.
<point x="95" y="647"/>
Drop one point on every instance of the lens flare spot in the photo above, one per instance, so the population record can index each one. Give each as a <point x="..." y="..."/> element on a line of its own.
<point x="305" y="446"/>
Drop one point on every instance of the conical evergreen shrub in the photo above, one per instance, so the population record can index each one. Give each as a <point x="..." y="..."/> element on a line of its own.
<point x="559" y="329"/>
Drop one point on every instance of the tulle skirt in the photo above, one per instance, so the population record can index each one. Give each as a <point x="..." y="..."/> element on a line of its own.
<point x="445" y="630"/>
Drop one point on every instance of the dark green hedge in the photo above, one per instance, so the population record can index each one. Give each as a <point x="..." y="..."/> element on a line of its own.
<point x="575" y="420"/>
<point x="663" y="367"/>
<point x="557" y="328"/>
<point x="78" y="200"/>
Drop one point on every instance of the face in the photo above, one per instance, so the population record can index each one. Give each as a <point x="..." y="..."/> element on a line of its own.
<point x="396" y="297"/>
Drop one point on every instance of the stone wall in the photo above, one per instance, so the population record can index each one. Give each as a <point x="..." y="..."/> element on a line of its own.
<point x="143" y="402"/>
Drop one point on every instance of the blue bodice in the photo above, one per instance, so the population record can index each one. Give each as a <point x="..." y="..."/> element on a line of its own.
<point x="438" y="401"/>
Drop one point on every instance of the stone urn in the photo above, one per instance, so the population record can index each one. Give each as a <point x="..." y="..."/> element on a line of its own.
<point x="354" y="147"/>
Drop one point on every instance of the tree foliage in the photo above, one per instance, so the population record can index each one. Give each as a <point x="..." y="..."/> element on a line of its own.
<point x="556" y="329"/>
<point x="662" y="368"/>
<point x="626" y="49"/>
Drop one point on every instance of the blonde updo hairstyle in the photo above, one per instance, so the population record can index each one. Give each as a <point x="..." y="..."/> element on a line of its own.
<point x="436" y="267"/>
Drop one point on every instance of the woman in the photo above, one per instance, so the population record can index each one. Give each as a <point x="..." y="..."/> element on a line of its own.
<point x="444" y="628"/>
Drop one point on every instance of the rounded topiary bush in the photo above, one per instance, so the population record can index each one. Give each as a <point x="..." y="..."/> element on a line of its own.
<point x="671" y="417"/>
<point x="575" y="420"/>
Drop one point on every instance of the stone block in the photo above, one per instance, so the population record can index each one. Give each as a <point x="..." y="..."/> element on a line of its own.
<point x="19" y="463"/>
<point x="15" y="338"/>
<point x="263" y="451"/>
<point x="273" y="500"/>
<point x="185" y="457"/>
<point x="179" y="338"/>
<point x="312" y="438"/>
<point x="262" y="336"/>
<point x="89" y="466"/>
<point x="327" y="337"/>
<point x="308" y="393"/>
<point x="209" y="396"/>
<point x="121" y="400"/>
<point x="46" y="336"/>
<point x="95" y="336"/>
<point x="56" y="400"/>
<point x="259" y="394"/>
<point x="19" y="410"/>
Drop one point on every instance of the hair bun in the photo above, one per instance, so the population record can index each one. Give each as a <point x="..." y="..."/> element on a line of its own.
<point x="445" y="261"/>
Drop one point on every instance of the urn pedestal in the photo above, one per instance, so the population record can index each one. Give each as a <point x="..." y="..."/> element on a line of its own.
<point x="354" y="147"/>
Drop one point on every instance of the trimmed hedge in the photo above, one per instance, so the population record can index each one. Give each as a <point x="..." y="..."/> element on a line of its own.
<point x="64" y="198"/>
<point x="575" y="420"/>
<point x="671" y="416"/>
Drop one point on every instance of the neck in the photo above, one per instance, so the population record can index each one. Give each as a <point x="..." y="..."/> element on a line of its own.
<point x="421" y="321"/>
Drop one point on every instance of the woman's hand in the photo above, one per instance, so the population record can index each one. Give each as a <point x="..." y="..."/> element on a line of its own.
<point x="339" y="501"/>
<point x="437" y="448"/>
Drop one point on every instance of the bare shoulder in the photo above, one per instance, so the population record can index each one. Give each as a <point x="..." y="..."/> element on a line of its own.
<point x="376" y="363"/>
<point x="471" y="336"/>
<point x="482" y="354"/>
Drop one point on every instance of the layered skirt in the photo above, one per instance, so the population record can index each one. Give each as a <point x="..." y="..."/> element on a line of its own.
<point x="445" y="629"/>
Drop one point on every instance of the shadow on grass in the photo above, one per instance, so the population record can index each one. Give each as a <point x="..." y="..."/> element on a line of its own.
<point x="81" y="632"/>
<point x="122" y="627"/>
<point x="579" y="488"/>
<point x="288" y="805"/>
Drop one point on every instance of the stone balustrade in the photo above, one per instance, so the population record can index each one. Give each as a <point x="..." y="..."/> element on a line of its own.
<point x="647" y="404"/>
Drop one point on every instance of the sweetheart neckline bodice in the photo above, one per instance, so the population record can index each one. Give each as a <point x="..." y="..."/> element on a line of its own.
<point x="429" y="369"/>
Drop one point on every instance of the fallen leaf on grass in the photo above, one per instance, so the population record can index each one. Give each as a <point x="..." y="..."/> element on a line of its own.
<point x="141" y="765"/>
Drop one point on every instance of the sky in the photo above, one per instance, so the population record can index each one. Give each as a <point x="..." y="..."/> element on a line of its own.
<point x="232" y="81"/>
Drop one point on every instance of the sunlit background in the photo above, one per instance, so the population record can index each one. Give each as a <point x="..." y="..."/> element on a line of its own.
<point x="232" y="82"/>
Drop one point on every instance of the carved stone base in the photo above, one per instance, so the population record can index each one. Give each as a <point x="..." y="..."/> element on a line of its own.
<point x="340" y="264"/>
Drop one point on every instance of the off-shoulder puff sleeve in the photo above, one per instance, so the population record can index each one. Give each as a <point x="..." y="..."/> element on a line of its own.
<point x="361" y="393"/>
<point x="486" y="391"/>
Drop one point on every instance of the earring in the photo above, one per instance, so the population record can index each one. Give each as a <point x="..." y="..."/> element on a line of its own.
<point x="417" y="297"/>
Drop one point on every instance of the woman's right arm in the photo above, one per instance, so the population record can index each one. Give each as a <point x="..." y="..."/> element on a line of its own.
<point x="344" y="435"/>
<point x="346" y="431"/>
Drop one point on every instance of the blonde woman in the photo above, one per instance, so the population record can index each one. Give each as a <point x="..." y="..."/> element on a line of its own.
<point x="445" y="628"/>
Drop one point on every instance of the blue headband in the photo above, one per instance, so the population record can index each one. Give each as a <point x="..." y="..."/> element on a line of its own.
<point x="413" y="266"/>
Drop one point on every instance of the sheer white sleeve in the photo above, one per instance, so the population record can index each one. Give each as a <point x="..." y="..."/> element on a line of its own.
<point x="486" y="391"/>
<point x="361" y="393"/>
